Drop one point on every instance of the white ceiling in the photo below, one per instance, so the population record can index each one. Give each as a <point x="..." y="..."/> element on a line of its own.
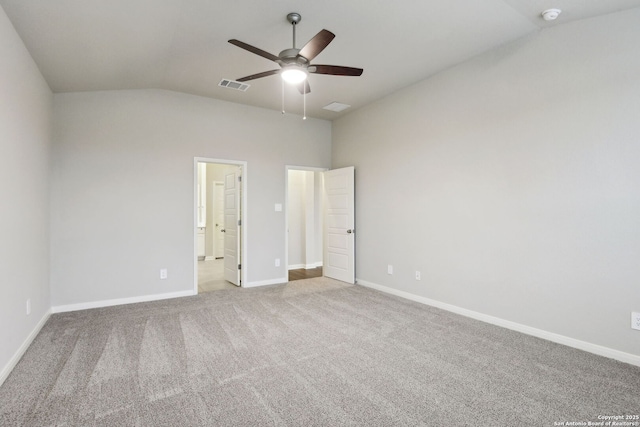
<point x="181" y="45"/>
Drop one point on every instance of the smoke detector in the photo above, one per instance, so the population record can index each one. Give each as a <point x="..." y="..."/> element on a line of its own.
<point x="551" y="14"/>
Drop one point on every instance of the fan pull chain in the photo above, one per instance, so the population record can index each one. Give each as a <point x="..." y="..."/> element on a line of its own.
<point x="282" y="97"/>
<point x="304" y="104"/>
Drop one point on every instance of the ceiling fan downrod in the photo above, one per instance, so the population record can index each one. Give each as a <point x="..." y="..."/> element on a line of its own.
<point x="294" y="18"/>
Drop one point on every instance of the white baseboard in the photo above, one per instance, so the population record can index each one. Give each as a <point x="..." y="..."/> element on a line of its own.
<point x="6" y="370"/>
<point x="549" y="336"/>
<point x="120" y="301"/>
<point x="265" y="283"/>
<point x="305" y="266"/>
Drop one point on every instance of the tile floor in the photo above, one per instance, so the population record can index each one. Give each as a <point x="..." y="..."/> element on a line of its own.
<point x="211" y="276"/>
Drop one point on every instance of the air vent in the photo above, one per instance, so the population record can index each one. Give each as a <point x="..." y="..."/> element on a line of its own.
<point x="336" y="106"/>
<point x="232" y="84"/>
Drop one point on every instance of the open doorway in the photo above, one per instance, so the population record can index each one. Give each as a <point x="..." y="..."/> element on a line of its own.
<point x="304" y="239"/>
<point x="219" y="212"/>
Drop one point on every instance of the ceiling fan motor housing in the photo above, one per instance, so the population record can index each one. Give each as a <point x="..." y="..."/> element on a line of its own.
<point x="291" y="55"/>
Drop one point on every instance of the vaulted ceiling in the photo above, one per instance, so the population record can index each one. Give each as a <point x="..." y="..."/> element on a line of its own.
<point x="181" y="45"/>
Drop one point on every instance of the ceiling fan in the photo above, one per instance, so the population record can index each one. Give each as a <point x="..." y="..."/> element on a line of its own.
<point x="295" y="64"/>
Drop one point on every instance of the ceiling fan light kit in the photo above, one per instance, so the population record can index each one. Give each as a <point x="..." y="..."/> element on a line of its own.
<point x="294" y="74"/>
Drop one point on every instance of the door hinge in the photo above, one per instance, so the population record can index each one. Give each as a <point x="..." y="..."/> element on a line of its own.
<point x="239" y="222"/>
<point x="239" y="266"/>
<point x="239" y="178"/>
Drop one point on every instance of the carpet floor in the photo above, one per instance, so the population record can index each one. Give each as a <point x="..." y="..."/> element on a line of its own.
<point x="313" y="352"/>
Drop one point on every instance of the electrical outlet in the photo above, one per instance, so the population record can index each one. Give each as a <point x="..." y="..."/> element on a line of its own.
<point x="28" y="306"/>
<point x="635" y="320"/>
<point x="163" y="273"/>
<point x="417" y="275"/>
<point x="277" y="262"/>
<point x="389" y="269"/>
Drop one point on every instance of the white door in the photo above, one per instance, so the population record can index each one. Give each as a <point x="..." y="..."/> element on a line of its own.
<point x="218" y="220"/>
<point x="232" y="227"/>
<point x="339" y="221"/>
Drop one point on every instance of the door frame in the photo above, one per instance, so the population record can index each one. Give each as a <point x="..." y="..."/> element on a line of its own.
<point x="243" y="216"/>
<point x="287" y="168"/>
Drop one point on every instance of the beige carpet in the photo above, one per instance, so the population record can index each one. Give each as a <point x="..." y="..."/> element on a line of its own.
<point x="314" y="352"/>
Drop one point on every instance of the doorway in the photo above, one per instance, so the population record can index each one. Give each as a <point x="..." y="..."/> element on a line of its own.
<point x="219" y="211"/>
<point x="304" y="219"/>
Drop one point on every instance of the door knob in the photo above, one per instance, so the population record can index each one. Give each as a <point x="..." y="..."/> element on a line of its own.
<point x="222" y="231"/>
<point x="351" y="231"/>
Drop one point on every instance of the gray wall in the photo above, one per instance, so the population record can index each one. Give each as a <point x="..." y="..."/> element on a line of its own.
<point x="122" y="187"/>
<point x="25" y="125"/>
<point x="512" y="182"/>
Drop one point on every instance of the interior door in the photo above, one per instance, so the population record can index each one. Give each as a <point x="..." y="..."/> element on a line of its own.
<point x="339" y="224"/>
<point x="218" y="220"/>
<point x="232" y="227"/>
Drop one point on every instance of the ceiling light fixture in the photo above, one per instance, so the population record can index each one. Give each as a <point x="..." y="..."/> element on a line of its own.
<point x="294" y="74"/>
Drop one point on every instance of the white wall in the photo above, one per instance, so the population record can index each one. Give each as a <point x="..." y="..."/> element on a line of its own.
<point x="25" y="126"/>
<point x="304" y="218"/>
<point x="122" y="189"/>
<point x="318" y="224"/>
<point x="215" y="173"/>
<point x="512" y="182"/>
<point x="296" y="221"/>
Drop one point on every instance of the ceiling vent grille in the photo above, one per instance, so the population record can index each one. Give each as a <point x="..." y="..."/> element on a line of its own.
<point x="336" y="106"/>
<point x="232" y="84"/>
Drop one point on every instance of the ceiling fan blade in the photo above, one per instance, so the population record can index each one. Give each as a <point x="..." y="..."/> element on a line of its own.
<point x="259" y="75"/>
<point x="254" y="49"/>
<point x="316" y="44"/>
<point x="335" y="70"/>
<point x="304" y="87"/>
